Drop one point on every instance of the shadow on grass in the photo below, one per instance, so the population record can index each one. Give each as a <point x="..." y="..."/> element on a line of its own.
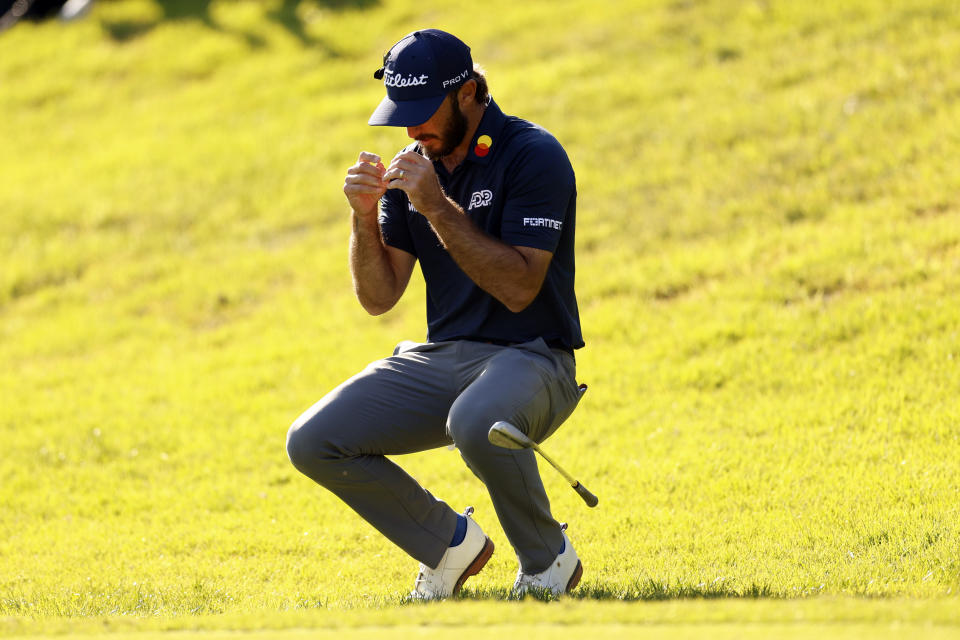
<point x="652" y="590"/>
<point x="640" y="591"/>
<point x="286" y="15"/>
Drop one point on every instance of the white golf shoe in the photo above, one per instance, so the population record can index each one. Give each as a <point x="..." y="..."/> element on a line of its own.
<point x="457" y="564"/>
<point x="560" y="577"/>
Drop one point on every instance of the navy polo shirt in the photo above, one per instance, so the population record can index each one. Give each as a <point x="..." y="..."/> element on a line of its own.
<point x="516" y="184"/>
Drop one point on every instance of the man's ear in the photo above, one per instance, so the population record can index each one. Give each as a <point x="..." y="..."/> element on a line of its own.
<point x="467" y="93"/>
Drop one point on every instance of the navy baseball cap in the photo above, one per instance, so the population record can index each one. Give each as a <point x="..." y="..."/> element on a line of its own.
<point x="418" y="72"/>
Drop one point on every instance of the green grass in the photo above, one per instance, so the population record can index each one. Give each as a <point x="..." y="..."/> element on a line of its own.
<point x="768" y="274"/>
<point x="834" y="617"/>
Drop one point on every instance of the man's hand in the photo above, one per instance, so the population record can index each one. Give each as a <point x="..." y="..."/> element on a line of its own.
<point x="414" y="175"/>
<point x="365" y="185"/>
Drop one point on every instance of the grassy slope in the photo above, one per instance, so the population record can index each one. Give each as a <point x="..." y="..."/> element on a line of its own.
<point x="768" y="277"/>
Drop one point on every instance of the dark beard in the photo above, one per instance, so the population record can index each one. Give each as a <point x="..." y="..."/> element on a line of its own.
<point x="452" y="134"/>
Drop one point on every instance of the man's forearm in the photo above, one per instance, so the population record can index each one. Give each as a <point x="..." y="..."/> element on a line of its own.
<point x="374" y="280"/>
<point x="496" y="267"/>
<point x="512" y="275"/>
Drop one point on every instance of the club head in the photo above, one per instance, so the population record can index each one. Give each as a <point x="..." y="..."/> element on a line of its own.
<point x="504" y="434"/>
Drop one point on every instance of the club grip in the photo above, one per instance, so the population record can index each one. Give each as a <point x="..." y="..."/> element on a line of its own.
<point x="588" y="497"/>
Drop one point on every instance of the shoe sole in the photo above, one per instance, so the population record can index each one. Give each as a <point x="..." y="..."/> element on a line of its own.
<point x="478" y="563"/>
<point x="575" y="578"/>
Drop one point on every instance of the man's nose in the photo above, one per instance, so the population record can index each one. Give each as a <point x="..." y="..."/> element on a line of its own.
<point x="413" y="131"/>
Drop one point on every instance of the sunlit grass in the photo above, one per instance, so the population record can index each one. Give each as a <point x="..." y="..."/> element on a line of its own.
<point x="768" y="275"/>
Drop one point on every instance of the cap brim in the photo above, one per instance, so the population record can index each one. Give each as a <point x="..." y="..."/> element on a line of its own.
<point x="406" y="113"/>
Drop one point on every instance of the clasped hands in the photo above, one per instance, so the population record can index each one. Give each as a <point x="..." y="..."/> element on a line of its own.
<point x="409" y="171"/>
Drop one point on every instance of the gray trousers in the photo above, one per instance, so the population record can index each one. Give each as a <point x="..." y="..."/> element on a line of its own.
<point x="430" y="395"/>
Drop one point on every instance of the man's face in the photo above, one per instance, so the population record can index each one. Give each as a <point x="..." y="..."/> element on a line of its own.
<point x="443" y="132"/>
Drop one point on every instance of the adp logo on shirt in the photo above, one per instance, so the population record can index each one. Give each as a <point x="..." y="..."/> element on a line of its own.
<point x="481" y="198"/>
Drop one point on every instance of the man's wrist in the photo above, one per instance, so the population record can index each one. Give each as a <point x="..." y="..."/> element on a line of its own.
<point x="365" y="224"/>
<point x="368" y="218"/>
<point x="443" y="208"/>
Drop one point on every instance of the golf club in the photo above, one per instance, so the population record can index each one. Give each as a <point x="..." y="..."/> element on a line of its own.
<point x="503" y="434"/>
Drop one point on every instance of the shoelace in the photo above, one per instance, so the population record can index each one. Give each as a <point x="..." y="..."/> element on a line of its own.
<point x="524" y="580"/>
<point x="416" y="585"/>
<point x="421" y="579"/>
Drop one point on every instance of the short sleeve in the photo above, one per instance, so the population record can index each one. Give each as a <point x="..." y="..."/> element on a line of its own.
<point x="540" y="189"/>
<point x="393" y="221"/>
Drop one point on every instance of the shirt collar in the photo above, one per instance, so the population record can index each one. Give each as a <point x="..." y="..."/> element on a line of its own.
<point x="485" y="138"/>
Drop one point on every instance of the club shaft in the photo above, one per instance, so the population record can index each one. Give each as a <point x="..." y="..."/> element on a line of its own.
<point x="581" y="490"/>
<point x="569" y="478"/>
<point x="504" y="434"/>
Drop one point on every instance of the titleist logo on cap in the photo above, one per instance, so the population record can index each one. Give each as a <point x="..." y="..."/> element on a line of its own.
<point x="418" y="73"/>
<point x="392" y="79"/>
